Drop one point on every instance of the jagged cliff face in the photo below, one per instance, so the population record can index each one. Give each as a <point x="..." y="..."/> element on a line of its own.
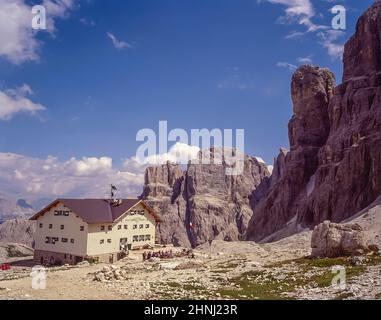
<point x="17" y="231"/>
<point x="202" y="203"/>
<point x="333" y="169"/>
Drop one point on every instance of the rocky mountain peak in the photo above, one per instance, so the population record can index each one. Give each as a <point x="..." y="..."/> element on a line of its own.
<point x="333" y="169"/>
<point x="311" y="91"/>
<point x="362" y="53"/>
<point x="204" y="202"/>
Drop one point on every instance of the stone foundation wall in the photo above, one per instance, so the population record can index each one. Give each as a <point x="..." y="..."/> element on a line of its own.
<point x="106" y="258"/>
<point x="42" y="257"/>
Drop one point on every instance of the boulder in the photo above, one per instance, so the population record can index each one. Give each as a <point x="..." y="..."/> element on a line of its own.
<point x="169" y="265"/>
<point x="337" y="240"/>
<point x="189" y="265"/>
<point x="99" y="276"/>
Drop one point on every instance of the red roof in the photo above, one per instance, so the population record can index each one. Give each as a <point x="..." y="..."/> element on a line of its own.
<point x="96" y="210"/>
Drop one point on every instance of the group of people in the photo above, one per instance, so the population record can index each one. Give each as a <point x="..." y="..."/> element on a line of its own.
<point x="168" y="254"/>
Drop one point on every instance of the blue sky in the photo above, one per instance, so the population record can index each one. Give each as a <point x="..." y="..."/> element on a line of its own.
<point x="195" y="63"/>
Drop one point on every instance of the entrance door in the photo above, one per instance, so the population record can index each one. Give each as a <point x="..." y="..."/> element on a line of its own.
<point x="111" y="258"/>
<point x="123" y="244"/>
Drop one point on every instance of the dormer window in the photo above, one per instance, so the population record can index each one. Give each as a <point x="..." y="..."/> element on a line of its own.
<point x="61" y="213"/>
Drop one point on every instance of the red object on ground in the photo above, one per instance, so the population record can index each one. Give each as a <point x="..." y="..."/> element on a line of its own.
<point x="5" y="266"/>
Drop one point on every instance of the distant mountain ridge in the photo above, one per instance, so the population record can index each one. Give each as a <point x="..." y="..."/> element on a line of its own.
<point x="14" y="209"/>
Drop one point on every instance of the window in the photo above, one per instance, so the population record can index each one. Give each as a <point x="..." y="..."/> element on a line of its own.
<point x="148" y="237"/>
<point x="109" y="228"/>
<point x="41" y="225"/>
<point x="81" y="228"/>
<point x="102" y="228"/>
<point x="50" y="226"/>
<point x="141" y="238"/>
<point x="64" y="239"/>
<point x="54" y="240"/>
<point x="108" y="240"/>
<point x="140" y="226"/>
<point x="125" y="227"/>
<point x="101" y="241"/>
<point x="132" y="212"/>
<point x="147" y="226"/>
<point x="61" y="213"/>
<point x="141" y="212"/>
<point x="135" y="238"/>
<point x="72" y="240"/>
<point x="48" y="240"/>
<point x="119" y="227"/>
<point x="62" y="227"/>
<point x="135" y="226"/>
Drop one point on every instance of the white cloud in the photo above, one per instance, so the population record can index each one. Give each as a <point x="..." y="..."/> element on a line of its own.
<point x="88" y="177"/>
<point x="178" y="153"/>
<point x="304" y="60"/>
<point x="33" y="178"/>
<point x="299" y="11"/>
<point x="86" y="22"/>
<point x="302" y="13"/>
<point x="13" y="101"/>
<point x="18" y="41"/>
<point x="329" y="42"/>
<point x="295" y="35"/>
<point x="118" y="44"/>
<point x="287" y="65"/>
